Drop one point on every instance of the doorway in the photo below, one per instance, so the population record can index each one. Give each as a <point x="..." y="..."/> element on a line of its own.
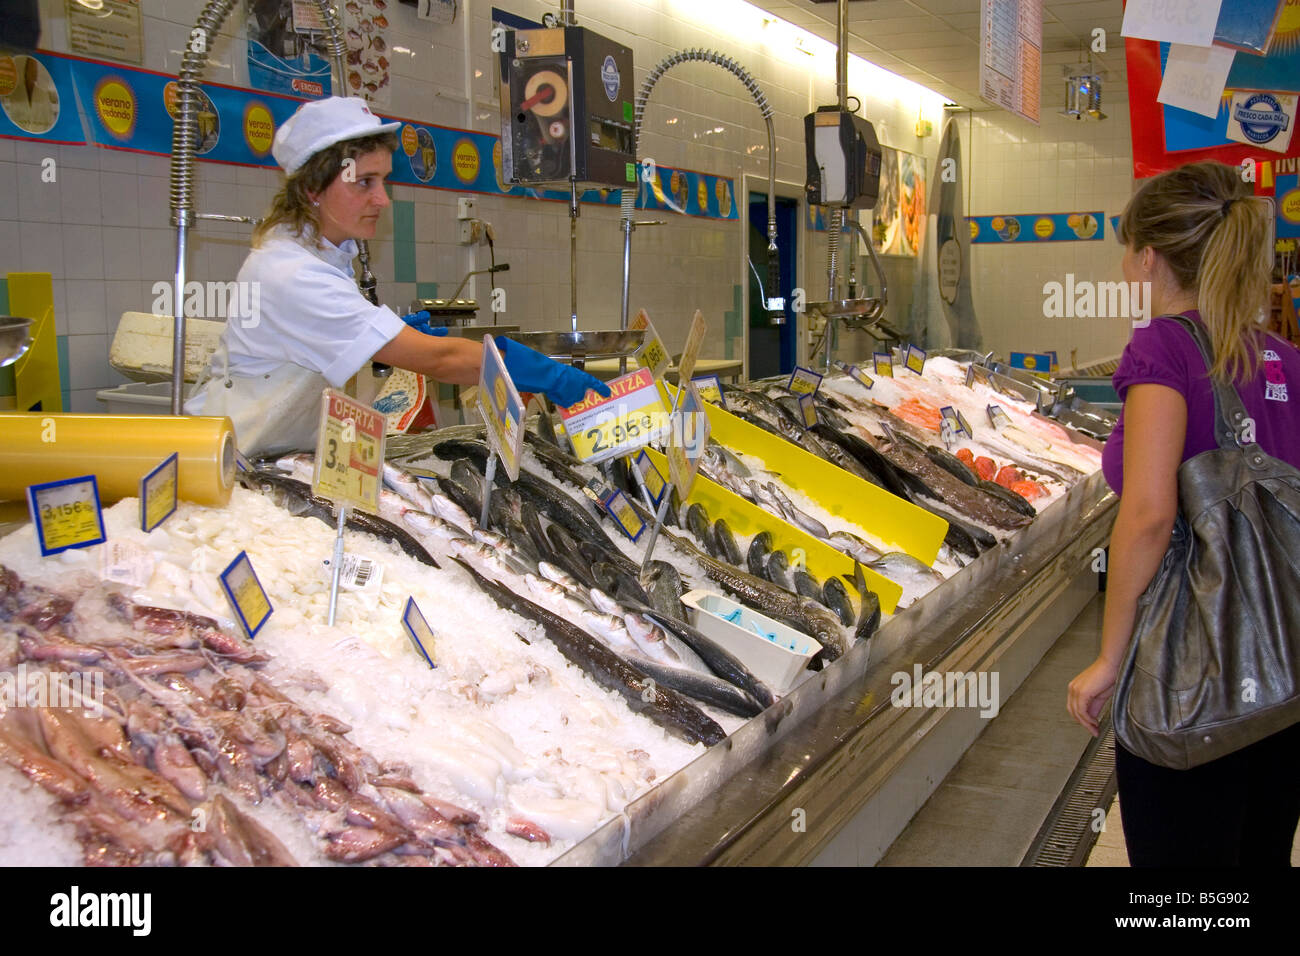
<point x="772" y="348"/>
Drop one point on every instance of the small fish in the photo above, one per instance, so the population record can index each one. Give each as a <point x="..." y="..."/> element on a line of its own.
<point x="778" y="570"/>
<point x="406" y="486"/>
<point x="853" y="546"/>
<point x="759" y="548"/>
<point x="449" y="511"/>
<point x="561" y="577"/>
<point x="725" y="541"/>
<point x="697" y="522"/>
<point x="836" y="597"/>
<point x="464" y="496"/>
<point x="805" y="521"/>
<point x="806" y="584"/>
<point x="663" y="585"/>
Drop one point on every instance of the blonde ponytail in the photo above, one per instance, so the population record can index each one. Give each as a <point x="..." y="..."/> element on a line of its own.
<point x="1233" y="289"/>
<point x="1214" y="235"/>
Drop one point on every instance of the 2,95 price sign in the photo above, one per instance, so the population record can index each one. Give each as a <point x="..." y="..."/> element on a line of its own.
<point x="632" y="416"/>
<point x="66" y="514"/>
<point x="349" y="452"/>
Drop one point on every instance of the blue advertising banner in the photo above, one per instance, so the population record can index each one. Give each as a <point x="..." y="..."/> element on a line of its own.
<point x="1045" y="227"/>
<point x="132" y="109"/>
<point x="1288" y="206"/>
<point x="37" y="99"/>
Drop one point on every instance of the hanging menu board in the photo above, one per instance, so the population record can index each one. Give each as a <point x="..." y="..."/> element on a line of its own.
<point x="1011" y="54"/>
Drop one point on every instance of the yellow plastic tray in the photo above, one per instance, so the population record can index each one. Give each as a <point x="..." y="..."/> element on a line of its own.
<point x="747" y="519"/>
<point x="887" y="516"/>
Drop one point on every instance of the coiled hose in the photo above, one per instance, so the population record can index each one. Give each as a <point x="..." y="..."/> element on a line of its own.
<point x="628" y="204"/>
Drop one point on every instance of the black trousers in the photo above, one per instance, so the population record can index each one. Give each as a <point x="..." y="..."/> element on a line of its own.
<point x="1238" y="811"/>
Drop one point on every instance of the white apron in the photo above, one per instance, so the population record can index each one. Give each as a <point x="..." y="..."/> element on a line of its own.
<point x="273" y="414"/>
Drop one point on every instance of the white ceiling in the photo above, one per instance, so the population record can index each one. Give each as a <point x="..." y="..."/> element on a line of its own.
<point x="937" y="42"/>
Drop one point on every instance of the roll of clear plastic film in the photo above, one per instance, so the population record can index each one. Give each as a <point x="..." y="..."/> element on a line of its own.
<point x="118" y="450"/>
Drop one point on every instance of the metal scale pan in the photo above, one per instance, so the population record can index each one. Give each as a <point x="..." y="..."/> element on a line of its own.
<point x="579" y="346"/>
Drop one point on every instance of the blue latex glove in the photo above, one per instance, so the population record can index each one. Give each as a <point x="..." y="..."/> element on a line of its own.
<point x="420" y="322"/>
<point x="533" y="372"/>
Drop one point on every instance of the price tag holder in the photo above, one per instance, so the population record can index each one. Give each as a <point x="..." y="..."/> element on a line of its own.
<point x="246" y="594"/>
<point x="946" y="434"/>
<point x="860" y="376"/>
<point x="998" y="418"/>
<point x="883" y="363"/>
<point x="652" y="354"/>
<point x="632" y="417"/>
<point x="956" y="421"/>
<point x="808" y="408"/>
<point x="418" y="631"/>
<point x="710" y="389"/>
<point x="655" y="483"/>
<point x="624" y="515"/>
<point x="691" y="351"/>
<point x="688" y="439"/>
<point x="915" y="360"/>
<point x="158" y="493"/>
<point x="502" y="409"/>
<point x="804" y="381"/>
<point x="66" y="514"/>
<point x="970" y="376"/>
<point x="349" y="452"/>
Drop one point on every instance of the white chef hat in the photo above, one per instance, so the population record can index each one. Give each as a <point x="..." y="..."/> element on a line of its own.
<point x="322" y="123"/>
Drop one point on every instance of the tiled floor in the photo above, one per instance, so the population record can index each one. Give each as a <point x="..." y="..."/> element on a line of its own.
<point x="990" y="807"/>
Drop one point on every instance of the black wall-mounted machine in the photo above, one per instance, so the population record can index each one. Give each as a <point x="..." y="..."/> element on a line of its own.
<point x="844" y="159"/>
<point x="566" y="108"/>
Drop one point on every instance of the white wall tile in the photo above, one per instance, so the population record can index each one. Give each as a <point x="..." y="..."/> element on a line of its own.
<point x="88" y="361"/>
<point x="83" y="252"/>
<point x="41" y="247"/>
<point x="85" y="306"/>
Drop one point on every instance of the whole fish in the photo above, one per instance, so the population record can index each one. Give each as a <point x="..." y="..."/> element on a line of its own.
<point x="805" y="521"/>
<point x="545" y="425"/>
<point x="665" y="707"/>
<point x="406" y="486"/>
<point x="703" y="687"/>
<point x="952" y="464"/>
<point x="806" y="584"/>
<point x="725" y="542"/>
<point x="800" y="613"/>
<point x="462" y="495"/>
<point x="836" y="597"/>
<point x="565" y="553"/>
<point x="938" y="484"/>
<point x="777" y="570"/>
<point x="759" y="549"/>
<point x="853" y="546"/>
<point x="900" y="566"/>
<point x="882" y="471"/>
<point x="718" y="659"/>
<point x="533" y="528"/>
<point x="697" y="522"/>
<point x="663" y="585"/>
<point x="1012" y="498"/>
<point x="618" y="583"/>
<point x="464" y="471"/>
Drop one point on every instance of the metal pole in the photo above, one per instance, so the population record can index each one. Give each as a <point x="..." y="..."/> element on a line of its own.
<point x="654" y="532"/>
<point x="338" y="563"/>
<point x="842" y="55"/>
<point x="573" y="255"/>
<point x="489" y="476"/>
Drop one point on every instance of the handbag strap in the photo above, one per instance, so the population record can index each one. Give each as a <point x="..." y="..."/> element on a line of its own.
<point x="1229" y="411"/>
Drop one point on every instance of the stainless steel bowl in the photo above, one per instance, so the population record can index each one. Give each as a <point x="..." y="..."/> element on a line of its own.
<point x="582" y="345"/>
<point x="15" y="338"/>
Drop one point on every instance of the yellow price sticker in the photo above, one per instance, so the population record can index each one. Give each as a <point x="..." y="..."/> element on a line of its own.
<point x="655" y="483"/>
<point x="652" y="354"/>
<point x="861" y="377"/>
<point x="624" y="515"/>
<point x="158" y="493"/>
<point x="804" y="381"/>
<point x="246" y="594"/>
<point x="883" y="363"/>
<point x="349" y="451"/>
<point x="632" y="416"/>
<point x="66" y="514"/>
<point x="710" y="388"/>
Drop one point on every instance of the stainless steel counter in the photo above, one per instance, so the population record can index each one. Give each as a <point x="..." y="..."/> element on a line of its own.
<point x="834" y="766"/>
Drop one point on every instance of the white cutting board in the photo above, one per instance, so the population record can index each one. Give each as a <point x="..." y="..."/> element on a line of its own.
<point x="142" y="346"/>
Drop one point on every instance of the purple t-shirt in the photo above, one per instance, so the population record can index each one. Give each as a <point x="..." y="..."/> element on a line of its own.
<point x="1164" y="353"/>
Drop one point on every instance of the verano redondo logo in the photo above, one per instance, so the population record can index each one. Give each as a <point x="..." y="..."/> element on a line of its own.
<point x="115" y="106"/>
<point x="464" y="160"/>
<point x="259" y="128"/>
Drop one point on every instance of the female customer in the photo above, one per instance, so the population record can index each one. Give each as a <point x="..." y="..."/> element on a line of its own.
<point x="311" y="327"/>
<point x="1201" y="241"/>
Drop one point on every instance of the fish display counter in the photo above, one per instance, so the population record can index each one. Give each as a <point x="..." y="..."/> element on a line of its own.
<point x="536" y="691"/>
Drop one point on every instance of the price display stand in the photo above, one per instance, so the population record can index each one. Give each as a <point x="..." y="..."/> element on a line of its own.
<point x="502" y="410"/>
<point x="349" y="457"/>
<point x="684" y="452"/>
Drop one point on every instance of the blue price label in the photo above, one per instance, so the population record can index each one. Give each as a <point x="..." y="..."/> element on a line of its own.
<point x="418" y="630"/>
<point x="246" y="594"/>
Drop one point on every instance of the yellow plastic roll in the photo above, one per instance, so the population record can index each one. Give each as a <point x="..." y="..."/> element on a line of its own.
<point x="118" y="450"/>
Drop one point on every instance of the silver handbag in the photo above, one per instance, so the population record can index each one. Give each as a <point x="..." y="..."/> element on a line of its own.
<point x="1214" y="661"/>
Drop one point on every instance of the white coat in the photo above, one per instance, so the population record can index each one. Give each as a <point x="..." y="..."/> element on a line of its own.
<point x="296" y="324"/>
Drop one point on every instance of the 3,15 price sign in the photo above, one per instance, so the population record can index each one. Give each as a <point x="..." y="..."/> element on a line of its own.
<point x="349" y="452"/>
<point x="632" y="416"/>
<point x="66" y="514"/>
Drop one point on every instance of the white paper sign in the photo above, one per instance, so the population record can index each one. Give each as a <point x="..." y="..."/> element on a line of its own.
<point x="1195" y="76"/>
<point x="1178" y="21"/>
